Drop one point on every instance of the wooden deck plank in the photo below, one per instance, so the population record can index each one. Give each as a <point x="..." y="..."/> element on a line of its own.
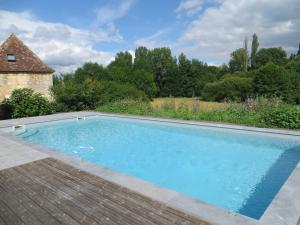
<point x="53" y="192"/>
<point x="148" y="203"/>
<point x="2" y="222"/>
<point x="62" y="204"/>
<point x="73" y="189"/>
<point x="19" y="207"/>
<point x="74" y="199"/>
<point x="8" y="215"/>
<point x="15" y="188"/>
<point x="125" y="202"/>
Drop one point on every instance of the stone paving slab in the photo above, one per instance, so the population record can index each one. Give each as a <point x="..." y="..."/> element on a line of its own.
<point x="14" y="154"/>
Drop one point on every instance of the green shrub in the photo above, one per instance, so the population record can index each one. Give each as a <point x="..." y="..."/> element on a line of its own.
<point x="275" y="55"/>
<point x="294" y="67"/>
<point x="144" y="80"/>
<point x="284" y="117"/>
<point x="114" y="91"/>
<point x="24" y="102"/>
<point x="231" y="88"/>
<point x="6" y="110"/>
<point x="73" y="96"/>
<point x="127" y="106"/>
<point x="273" y="81"/>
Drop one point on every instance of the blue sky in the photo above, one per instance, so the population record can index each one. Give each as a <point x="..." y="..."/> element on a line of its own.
<point x="142" y="18"/>
<point x="68" y="33"/>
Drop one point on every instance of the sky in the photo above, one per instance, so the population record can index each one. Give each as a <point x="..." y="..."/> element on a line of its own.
<point x="68" y="33"/>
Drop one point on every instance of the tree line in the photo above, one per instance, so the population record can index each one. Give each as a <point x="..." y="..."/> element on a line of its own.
<point x="153" y="73"/>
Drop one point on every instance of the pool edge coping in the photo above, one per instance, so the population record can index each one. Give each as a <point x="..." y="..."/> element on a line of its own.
<point x="275" y="214"/>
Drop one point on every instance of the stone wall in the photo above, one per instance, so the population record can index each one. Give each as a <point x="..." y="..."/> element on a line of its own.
<point x="38" y="82"/>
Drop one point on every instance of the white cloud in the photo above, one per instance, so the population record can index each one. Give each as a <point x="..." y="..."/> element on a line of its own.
<point x="61" y="46"/>
<point x="189" y="7"/>
<point x="219" y="30"/>
<point x="111" y="12"/>
<point x="106" y="15"/>
<point x="153" y="41"/>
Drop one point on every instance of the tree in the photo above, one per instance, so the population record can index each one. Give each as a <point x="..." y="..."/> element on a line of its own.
<point x="142" y="52"/>
<point x="121" y="68"/>
<point x="221" y="71"/>
<point x="203" y="74"/>
<point x="143" y="77"/>
<point x="142" y="59"/>
<point x="276" y="55"/>
<point x="237" y="60"/>
<point x="185" y="78"/>
<point x="254" y="48"/>
<point x="294" y="68"/>
<point x="92" y="71"/>
<point x="298" y="53"/>
<point x="272" y="80"/>
<point x="246" y="55"/>
<point x="164" y="68"/>
<point x="144" y="81"/>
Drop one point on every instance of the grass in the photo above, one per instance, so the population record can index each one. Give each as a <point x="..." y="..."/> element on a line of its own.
<point x="257" y="112"/>
<point x="188" y="103"/>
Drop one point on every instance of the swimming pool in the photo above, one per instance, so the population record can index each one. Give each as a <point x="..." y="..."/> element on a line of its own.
<point x="235" y="170"/>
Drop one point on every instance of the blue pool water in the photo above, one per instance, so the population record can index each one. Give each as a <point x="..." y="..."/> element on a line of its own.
<point x="238" y="171"/>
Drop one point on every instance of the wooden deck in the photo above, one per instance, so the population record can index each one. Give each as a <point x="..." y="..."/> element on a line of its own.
<point x="51" y="192"/>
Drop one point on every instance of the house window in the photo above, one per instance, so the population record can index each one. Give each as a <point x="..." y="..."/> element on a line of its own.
<point x="11" y="57"/>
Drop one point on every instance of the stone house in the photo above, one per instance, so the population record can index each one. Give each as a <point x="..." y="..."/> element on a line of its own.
<point x="21" y="68"/>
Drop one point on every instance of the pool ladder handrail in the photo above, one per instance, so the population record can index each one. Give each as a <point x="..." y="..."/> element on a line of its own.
<point x="80" y="117"/>
<point x="18" y="127"/>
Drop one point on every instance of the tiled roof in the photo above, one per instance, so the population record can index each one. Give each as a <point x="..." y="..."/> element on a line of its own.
<point x="25" y="59"/>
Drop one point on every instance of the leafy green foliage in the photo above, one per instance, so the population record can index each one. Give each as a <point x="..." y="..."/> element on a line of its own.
<point x="285" y="117"/>
<point x="254" y="48"/>
<point x="121" y="68"/>
<point x="144" y="81"/>
<point x="92" y="71"/>
<point x="238" y="59"/>
<point x="230" y="88"/>
<point x="273" y="81"/>
<point x="143" y="77"/>
<point x="127" y="106"/>
<point x="72" y="96"/>
<point x="24" y="102"/>
<point x="203" y="74"/>
<point x="164" y="68"/>
<point x="185" y="78"/>
<point x="294" y="68"/>
<point x="275" y="55"/>
<point x="6" y="110"/>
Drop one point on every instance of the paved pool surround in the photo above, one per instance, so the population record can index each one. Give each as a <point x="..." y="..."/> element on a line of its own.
<point x="283" y="210"/>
